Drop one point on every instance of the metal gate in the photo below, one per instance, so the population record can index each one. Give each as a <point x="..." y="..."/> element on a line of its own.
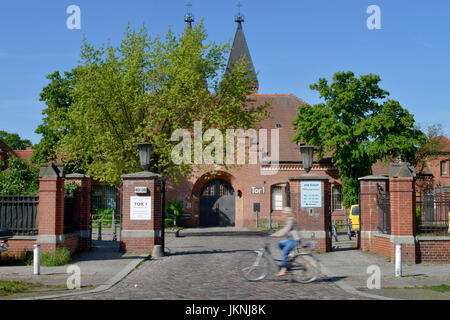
<point x="217" y="204"/>
<point x="384" y="211"/>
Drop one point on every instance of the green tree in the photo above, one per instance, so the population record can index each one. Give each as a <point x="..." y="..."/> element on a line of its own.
<point x="14" y="141"/>
<point x="143" y="90"/>
<point x="357" y="125"/>
<point x="21" y="177"/>
<point x="57" y="95"/>
<point x="430" y="148"/>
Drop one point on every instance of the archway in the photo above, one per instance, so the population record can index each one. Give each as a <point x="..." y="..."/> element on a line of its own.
<point x="217" y="204"/>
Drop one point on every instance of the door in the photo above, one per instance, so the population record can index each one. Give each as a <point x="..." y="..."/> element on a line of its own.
<point x="217" y="204"/>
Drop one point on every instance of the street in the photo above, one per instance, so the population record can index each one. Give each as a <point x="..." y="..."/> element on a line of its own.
<point x="202" y="265"/>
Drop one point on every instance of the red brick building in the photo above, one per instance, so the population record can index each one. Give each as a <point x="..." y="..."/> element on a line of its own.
<point x="221" y="197"/>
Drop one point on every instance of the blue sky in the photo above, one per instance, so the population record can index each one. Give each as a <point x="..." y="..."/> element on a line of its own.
<point x="292" y="44"/>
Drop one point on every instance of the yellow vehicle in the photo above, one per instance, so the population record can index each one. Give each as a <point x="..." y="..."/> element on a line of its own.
<point x="353" y="216"/>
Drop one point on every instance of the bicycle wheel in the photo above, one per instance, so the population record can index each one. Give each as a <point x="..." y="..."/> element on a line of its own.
<point x="253" y="266"/>
<point x="305" y="268"/>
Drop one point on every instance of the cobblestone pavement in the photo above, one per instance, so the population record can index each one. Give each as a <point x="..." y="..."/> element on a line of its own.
<point x="202" y="265"/>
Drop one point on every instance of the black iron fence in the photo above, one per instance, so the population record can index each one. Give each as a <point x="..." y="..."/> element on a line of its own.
<point x="19" y="214"/>
<point x="432" y="212"/>
<point x="69" y="219"/>
<point x="384" y="211"/>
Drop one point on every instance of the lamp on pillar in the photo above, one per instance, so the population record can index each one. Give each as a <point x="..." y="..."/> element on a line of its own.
<point x="307" y="156"/>
<point x="145" y="149"/>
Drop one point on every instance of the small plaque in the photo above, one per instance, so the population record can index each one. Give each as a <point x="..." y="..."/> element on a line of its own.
<point x="140" y="189"/>
<point x="140" y="208"/>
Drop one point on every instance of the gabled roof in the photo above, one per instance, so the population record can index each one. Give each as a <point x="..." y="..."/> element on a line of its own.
<point x="240" y="49"/>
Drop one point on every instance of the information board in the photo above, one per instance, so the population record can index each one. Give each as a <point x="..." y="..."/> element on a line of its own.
<point x="311" y="194"/>
<point x="140" y="208"/>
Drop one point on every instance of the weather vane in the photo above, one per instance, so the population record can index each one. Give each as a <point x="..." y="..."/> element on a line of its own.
<point x="239" y="18"/>
<point x="188" y="17"/>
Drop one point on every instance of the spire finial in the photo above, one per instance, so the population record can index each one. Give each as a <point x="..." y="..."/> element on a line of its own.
<point x="239" y="18"/>
<point x="189" y="18"/>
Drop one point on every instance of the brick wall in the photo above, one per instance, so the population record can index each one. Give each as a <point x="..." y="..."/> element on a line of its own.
<point x="434" y="251"/>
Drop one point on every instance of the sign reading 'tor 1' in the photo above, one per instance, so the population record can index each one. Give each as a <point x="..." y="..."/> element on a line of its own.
<point x="140" y="208"/>
<point x="311" y="194"/>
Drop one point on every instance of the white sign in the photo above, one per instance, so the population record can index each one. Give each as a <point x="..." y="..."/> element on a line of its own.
<point x="311" y="194"/>
<point x="140" y="189"/>
<point x="258" y="190"/>
<point x="140" y="208"/>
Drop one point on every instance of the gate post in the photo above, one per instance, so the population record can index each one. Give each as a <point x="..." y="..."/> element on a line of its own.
<point x="51" y="206"/>
<point x="141" y="212"/>
<point x="82" y="209"/>
<point x="312" y="208"/>
<point x="403" y="207"/>
<point x="369" y="208"/>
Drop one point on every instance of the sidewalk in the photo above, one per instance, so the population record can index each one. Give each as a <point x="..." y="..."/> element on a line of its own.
<point x="348" y="268"/>
<point x="101" y="267"/>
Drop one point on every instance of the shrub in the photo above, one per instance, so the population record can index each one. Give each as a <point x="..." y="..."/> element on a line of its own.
<point x="58" y="258"/>
<point x="172" y="207"/>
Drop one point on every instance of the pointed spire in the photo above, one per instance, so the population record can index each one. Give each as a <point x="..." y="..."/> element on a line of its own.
<point x="240" y="47"/>
<point x="188" y="17"/>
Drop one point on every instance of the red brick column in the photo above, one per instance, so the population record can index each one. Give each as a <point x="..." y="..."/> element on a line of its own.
<point x="51" y="206"/>
<point x="314" y="223"/>
<point x="369" y="208"/>
<point x="403" y="229"/>
<point x="141" y="235"/>
<point x="82" y="209"/>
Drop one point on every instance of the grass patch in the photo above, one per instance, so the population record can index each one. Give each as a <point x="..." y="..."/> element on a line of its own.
<point x="12" y="287"/>
<point x="58" y="258"/>
<point x="440" y="288"/>
<point x="23" y="258"/>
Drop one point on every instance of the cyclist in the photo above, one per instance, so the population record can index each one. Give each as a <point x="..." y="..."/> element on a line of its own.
<point x="293" y="239"/>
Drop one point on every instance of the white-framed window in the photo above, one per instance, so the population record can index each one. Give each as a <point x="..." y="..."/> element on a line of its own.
<point x="277" y="198"/>
<point x="444" y="170"/>
<point x="337" y="198"/>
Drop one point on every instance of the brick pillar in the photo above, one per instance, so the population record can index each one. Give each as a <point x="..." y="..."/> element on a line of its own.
<point x="141" y="229"/>
<point x="82" y="209"/>
<point x="369" y="208"/>
<point x="403" y="229"/>
<point x="314" y="217"/>
<point x="51" y="206"/>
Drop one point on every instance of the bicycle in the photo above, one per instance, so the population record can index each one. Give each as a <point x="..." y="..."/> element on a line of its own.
<point x="303" y="267"/>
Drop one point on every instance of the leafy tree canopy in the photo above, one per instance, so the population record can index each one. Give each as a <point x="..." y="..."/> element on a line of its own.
<point x="14" y="141"/>
<point x="57" y="95"/>
<point x="143" y="90"/>
<point x="358" y="125"/>
<point x="21" y="177"/>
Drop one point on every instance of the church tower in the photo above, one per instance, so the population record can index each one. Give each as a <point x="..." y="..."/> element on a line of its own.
<point x="240" y="49"/>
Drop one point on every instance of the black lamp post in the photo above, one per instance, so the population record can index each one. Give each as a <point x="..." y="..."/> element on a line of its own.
<point x="145" y="149"/>
<point x="307" y="156"/>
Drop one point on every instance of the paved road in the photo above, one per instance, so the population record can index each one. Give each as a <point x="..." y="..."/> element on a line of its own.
<point x="202" y="265"/>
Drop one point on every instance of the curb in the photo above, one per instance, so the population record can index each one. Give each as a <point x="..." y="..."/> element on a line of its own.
<point x="105" y="286"/>
<point x="348" y="288"/>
